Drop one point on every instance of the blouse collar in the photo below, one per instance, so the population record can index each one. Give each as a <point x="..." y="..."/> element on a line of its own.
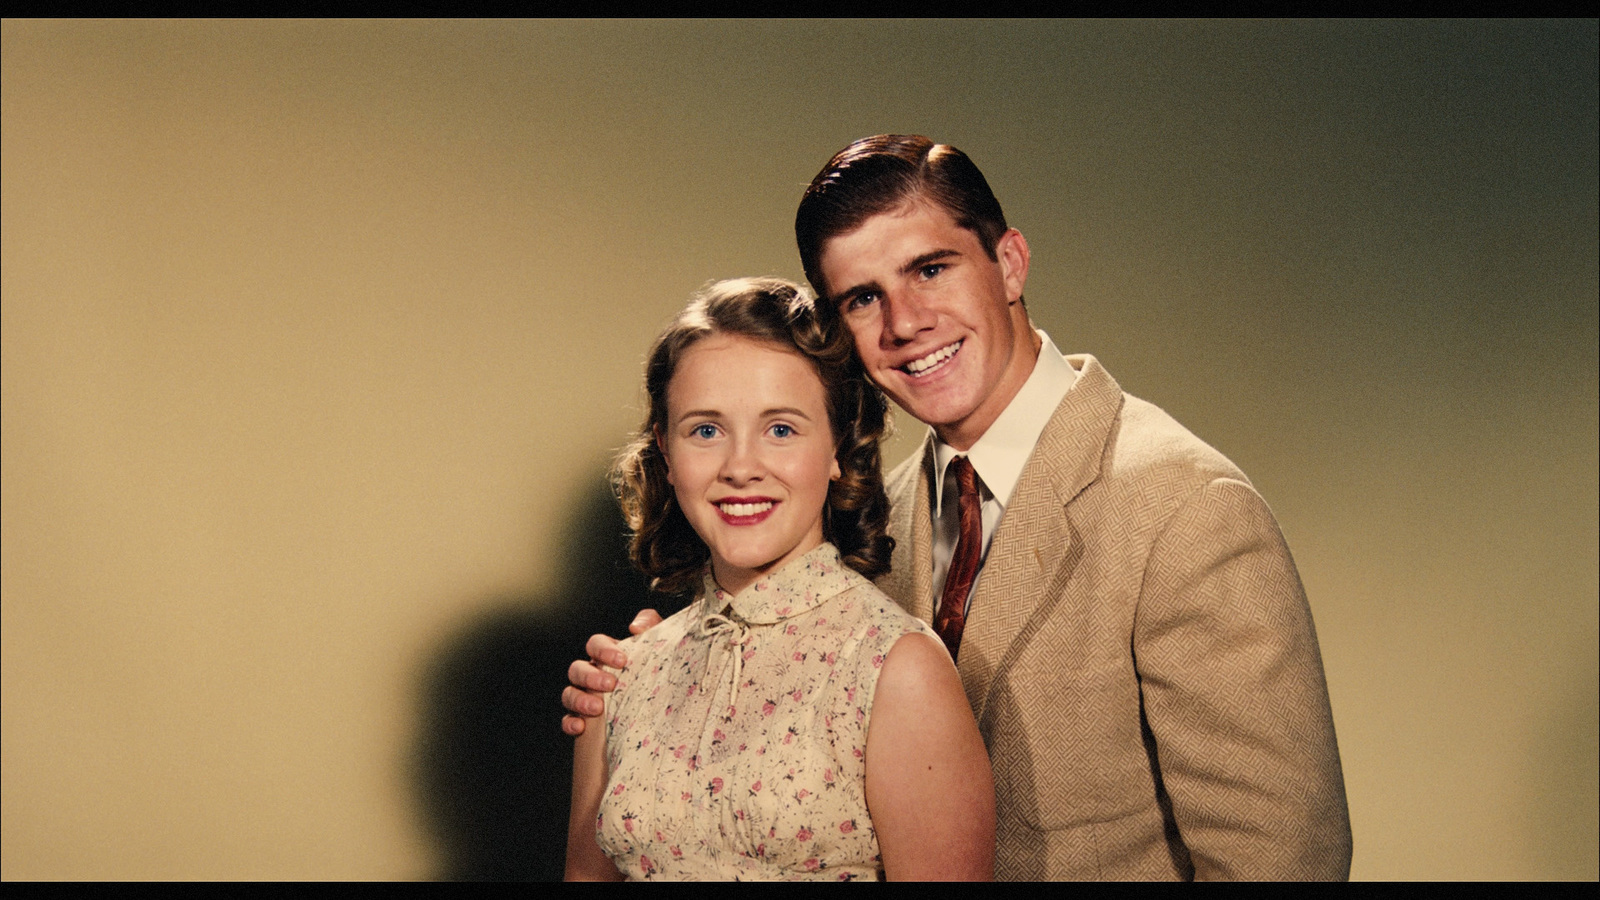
<point x="802" y="584"/>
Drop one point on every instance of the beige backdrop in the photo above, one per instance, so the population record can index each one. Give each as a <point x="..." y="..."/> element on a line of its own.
<point x="316" y="335"/>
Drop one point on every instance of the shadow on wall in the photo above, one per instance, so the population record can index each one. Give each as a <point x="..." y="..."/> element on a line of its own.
<point x="493" y="769"/>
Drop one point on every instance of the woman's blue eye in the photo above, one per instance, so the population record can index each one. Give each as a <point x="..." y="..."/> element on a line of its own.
<point x="782" y="431"/>
<point x="705" y="432"/>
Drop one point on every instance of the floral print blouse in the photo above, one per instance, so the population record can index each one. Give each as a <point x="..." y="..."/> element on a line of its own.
<point x="736" y="738"/>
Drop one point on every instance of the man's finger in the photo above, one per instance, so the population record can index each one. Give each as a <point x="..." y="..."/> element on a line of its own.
<point x="603" y="648"/>
<point x="586" y="675"/>
<point x="582" y="703"/>
<point x="644" y="621"/>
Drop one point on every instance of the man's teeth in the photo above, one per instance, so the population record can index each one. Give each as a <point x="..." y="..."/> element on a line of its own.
<point x="744" y="509"/>
<point x="918" y="366"/>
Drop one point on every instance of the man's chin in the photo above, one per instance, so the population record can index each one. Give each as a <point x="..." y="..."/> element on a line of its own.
<point x="939" y="416"/>
<point x="919" y="410"/>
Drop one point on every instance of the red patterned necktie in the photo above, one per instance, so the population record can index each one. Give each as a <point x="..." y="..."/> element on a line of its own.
<point x="952" y="615"/>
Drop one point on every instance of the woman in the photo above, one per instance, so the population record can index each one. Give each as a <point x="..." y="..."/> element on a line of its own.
<point x="737" y="742"/>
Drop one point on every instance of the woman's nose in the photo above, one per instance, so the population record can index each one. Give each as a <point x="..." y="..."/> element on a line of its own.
<point x="742" y="464"/>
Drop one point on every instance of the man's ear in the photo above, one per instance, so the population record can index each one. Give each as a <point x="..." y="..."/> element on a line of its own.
<point x="1012" y="254"/>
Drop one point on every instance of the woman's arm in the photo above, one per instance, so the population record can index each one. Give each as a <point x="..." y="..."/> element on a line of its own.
<point x="929" y="788"/>
<point x="585" y="860"/>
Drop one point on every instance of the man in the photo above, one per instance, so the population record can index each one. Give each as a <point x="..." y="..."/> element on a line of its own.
<point x="1125" y="616"/>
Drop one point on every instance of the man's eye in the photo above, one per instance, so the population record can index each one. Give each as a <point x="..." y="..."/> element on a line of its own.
<point x="931" y="270"/>
<point x="860" y="301"/>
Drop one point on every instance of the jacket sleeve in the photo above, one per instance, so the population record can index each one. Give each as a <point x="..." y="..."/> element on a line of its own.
<point x="1234" y="695"/>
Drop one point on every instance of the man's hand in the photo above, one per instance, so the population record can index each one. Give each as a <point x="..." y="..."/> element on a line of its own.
<point x="582" y="698"/>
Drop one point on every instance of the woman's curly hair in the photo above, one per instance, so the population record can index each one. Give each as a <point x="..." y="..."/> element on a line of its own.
<point x="855" y="518"/>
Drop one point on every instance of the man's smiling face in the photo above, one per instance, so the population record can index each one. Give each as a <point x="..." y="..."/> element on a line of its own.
<point x="939" y="325"/>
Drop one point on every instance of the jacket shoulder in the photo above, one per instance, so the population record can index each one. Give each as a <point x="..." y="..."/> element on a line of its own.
<point x="1108" y="442"/>
<point x="1147" y="443"/>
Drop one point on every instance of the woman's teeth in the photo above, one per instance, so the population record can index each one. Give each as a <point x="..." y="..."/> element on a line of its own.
<point x="744" y="509"/>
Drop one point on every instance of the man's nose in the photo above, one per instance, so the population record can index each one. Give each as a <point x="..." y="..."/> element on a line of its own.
<point x="905" y="316"/>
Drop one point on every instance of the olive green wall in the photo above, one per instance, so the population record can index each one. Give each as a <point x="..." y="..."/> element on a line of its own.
<point x="317" y="337"/>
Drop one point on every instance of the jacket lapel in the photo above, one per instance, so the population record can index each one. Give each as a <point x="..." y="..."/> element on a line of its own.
<point x="1032" y="556"/>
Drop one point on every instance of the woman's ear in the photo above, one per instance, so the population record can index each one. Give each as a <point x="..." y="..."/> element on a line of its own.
<point x="837" y="473"/>
<point x="661" y="445"/>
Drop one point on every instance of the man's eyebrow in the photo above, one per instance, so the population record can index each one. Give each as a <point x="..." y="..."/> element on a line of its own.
<point x="932" y="256"/>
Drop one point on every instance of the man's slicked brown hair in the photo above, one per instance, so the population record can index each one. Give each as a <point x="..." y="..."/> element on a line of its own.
<point x="880" y="174"/>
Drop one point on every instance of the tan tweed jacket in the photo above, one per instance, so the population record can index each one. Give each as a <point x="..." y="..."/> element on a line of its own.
<point x="1140" y="658"/>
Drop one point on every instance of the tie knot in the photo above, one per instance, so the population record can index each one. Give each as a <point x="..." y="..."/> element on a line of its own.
<point x="966" y="476"/>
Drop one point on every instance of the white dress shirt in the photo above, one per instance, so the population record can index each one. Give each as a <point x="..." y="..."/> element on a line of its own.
<point x="998" y="458"/>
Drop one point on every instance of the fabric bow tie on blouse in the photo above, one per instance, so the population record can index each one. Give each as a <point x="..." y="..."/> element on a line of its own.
<point x="715" y="626"/>
<point x="800" y="586"/>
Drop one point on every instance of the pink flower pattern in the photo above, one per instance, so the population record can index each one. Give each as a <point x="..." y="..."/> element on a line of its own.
<point x="682" y="725"/>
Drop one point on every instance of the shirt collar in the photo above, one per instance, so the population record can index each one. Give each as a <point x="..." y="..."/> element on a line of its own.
<point x="802" y="584"/>
<point x="1002" y="451"/>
